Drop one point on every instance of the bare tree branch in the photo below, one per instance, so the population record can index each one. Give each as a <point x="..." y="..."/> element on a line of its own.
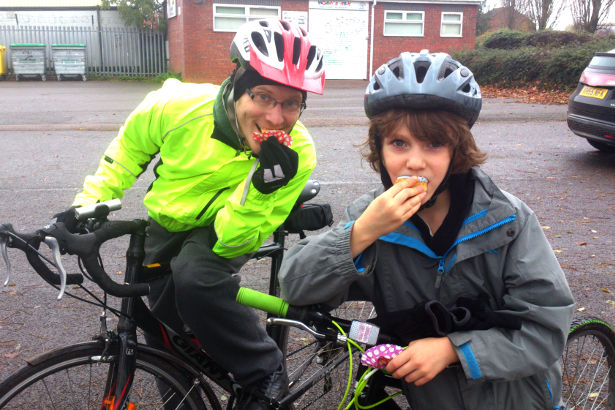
<point x="588" y="14"/>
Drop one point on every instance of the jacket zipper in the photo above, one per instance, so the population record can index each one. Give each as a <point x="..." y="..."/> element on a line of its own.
<point x="442" y="260"/>
<point x="213" y="198"/>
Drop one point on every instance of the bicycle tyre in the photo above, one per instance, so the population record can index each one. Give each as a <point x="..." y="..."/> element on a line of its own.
<point x="588" y="365"/>
<point x="74" y="377"/>
<point x="305" y="357"/>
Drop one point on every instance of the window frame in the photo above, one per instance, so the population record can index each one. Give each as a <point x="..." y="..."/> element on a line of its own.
<point x="243" y="18"/>
<point x="460" y="24"/>
<point x="402" y="21"/>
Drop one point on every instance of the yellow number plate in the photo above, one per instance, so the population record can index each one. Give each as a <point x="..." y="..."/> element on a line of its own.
<point x="593" y="92"/>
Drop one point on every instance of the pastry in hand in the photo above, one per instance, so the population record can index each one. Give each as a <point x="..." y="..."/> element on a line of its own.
<point x="421" y="181"/>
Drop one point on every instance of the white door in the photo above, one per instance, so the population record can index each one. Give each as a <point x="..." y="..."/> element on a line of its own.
<point x="341" y="30"/>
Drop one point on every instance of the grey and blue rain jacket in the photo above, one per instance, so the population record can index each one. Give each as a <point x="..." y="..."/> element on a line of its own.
<point x="500" y="251"/>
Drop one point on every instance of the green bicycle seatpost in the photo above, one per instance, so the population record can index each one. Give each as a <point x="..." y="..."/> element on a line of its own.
<point x="262" y="301"/>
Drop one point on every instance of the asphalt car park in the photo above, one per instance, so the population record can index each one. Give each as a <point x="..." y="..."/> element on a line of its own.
<point x="53" y="134"/>
<point x="591" y="107"/>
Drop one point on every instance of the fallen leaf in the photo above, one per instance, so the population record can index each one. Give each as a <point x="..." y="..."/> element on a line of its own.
<point x="582" y="243"/>
<point x="580" y="309"/>
<point x="593" y="231"/>
<point x="11" y="355"/>
<point x="546" y="227"/>
<point x="606" y="290"/>
<point x="611" y="302"/>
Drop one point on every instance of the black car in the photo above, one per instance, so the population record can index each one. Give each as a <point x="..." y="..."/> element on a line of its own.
<point x="591" y="108"/>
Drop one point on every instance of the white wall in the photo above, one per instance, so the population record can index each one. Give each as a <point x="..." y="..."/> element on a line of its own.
<point x="81" y="18"/>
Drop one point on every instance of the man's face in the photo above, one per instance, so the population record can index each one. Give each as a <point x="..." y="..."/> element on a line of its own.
<point x="271" y="107"/>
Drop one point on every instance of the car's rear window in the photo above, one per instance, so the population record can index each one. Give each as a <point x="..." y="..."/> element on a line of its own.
<point x="603" y="61"/>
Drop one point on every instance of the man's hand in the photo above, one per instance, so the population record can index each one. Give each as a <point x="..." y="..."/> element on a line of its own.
<point x="68" y="218"/>
<point x="423" y="360"/>
<point x="278" y="165"/>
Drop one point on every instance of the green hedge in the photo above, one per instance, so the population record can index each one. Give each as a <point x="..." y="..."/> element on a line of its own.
<point x="556" y="63"/>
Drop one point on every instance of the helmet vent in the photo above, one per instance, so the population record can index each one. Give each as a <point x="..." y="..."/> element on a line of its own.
<point x="296" y="50"/>
<point x="396" y="68"/>
<point x="259" y="42"/>
<point x="263" y="23"/>
<point x="377" y="85"/>
<point x="285" y="25"/>
<point x="310" y="56"/>
<point x="420" y="69"/>
<point x="466" y="88"/>
<point x="279" y="45"/>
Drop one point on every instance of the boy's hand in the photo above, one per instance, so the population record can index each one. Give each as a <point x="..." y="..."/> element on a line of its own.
<point x="386" y="213"/>
<point x="277" y="165"/>
<point x="423" y="360"/>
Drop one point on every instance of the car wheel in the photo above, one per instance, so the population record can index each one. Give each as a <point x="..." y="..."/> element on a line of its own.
<point x="602" y="146"/>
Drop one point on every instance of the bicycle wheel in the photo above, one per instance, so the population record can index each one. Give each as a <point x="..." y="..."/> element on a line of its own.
<point x="588" y="365"/>
<point x="305" y="357"/>
<point x="74" y="377"/>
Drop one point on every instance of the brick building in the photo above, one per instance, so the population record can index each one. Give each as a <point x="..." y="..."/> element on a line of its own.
<point x="356" y="37"/>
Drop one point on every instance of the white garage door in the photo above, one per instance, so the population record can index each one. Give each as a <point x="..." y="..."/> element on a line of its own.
<point x="340" y="28"/>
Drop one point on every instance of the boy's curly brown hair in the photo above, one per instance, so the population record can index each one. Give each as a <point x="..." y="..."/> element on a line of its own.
<point x="435" y="126"/>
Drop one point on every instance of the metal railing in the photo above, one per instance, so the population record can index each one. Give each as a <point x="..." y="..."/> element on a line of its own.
<point x="113" y="51"/>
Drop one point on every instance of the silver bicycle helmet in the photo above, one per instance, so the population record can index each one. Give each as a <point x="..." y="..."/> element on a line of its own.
<point x="424" y="81"/>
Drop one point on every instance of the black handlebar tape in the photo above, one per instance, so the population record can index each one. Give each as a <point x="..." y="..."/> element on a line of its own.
<point x="41" y="268"/>
<point x="33" y="240"/>
<point x="87" y="245"/>
<point x="89" y="254"/>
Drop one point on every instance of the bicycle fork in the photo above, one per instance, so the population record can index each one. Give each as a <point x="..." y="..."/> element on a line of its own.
<point x="121" y="373"/>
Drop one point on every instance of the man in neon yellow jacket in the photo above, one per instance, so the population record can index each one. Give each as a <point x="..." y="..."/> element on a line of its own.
<point x="221" y="188"/>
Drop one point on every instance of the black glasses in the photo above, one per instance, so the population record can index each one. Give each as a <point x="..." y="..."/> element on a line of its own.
<point x="294" y="107"/>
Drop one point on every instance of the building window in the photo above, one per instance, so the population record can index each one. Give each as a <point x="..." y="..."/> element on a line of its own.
<point x="229" y="17"/>
<point x="451" y="24"/>
<point x="404" y="23"/>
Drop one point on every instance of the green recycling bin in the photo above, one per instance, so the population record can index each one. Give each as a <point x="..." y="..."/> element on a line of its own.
<point x="28" y="59"/>
<point x="68" y="60"/>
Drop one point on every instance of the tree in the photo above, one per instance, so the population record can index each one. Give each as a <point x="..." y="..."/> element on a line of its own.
<point x="588" y="14"/>
<point x="138" y="13"/>
<point x="482" y="22"/>
<point x="544" y="13"/>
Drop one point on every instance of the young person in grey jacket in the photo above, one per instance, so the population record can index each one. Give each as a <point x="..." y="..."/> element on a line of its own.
<point x="461" y="271"/>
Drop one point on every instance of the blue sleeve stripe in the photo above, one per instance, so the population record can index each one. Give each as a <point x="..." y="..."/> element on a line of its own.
<point x="471" y="360"/>
<point x="349" y="224"/>
<point x="358" y="263"/>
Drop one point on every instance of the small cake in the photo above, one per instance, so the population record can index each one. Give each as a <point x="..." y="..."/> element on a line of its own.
<point x="282" y="137"/>
<point x="421" y="181"/>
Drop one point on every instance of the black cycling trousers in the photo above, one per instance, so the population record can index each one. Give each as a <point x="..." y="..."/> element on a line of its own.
<point x="201" y="292"/>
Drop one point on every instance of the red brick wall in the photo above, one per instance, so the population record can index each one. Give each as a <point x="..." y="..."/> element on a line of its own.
<point x="202" y="55"/>
<point x="387" y="47"/>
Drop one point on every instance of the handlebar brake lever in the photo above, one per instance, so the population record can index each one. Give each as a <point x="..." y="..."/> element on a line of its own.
<point x="3" y="245"/>
<point x="55" y="250"/>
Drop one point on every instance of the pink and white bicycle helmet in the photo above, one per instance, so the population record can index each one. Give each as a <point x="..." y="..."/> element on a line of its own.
<point x="282" y="52"/>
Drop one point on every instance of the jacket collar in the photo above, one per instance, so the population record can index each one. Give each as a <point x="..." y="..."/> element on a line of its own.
<point x="223" y="129"/>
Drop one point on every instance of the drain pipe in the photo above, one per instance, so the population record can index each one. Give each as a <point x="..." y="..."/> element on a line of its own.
<point x="371" y="42"/>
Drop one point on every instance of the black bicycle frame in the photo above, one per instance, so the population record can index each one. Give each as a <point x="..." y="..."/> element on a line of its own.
<point x="135" y="314"/>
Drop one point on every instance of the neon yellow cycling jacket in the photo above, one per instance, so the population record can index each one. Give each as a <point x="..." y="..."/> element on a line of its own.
<point x="203" y="174"/>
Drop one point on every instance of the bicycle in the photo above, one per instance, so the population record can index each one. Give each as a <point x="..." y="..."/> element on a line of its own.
<point x="115" y="371"/>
